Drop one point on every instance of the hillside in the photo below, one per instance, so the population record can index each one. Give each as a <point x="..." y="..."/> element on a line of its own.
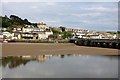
<point x="14" y="21"/>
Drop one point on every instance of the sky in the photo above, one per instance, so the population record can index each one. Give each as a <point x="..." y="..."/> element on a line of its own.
<point x="59" y="0"/>
<point x="99" y="16"/>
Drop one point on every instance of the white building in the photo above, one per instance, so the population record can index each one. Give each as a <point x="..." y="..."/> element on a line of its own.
<point x="115" y="36"/>
<point x="3" y="29"/>
<point x="73" y="30"/>
<point x="32" y="29"/>
<point x="78" y="35"/>
<point x="30" y="26"/>
<point x="42" y="25"/>
<point x="17" y="30"/>
<point x="44" y="35"/>
<point x="95" y="36"/>
<point x="16" y="35"/>
<point x="27" y="29"/>
<point x="7" y="34"/>
<point x="48" y="33"/>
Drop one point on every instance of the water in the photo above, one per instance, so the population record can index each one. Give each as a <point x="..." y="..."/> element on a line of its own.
<point x="60" y="66"/>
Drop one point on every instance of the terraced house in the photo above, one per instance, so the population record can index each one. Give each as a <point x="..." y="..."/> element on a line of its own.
<point x="42" y="31"/>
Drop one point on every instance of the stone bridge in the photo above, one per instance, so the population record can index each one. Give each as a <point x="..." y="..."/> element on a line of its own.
<point x="105" y="43"/>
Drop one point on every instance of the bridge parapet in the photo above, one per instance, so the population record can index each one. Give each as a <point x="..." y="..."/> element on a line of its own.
<point x="106" y="43"/>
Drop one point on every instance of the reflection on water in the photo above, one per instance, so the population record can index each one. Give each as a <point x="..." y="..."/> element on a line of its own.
<point x="60" y="66"/>
<point x="15" y="61"/>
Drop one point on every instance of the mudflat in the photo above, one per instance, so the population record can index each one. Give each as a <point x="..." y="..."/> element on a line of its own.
<point x="19" y="49"/>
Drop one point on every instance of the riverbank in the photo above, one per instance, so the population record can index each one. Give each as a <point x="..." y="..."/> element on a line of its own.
<point x="43" y="41"/>
<point x="14" y="49"/>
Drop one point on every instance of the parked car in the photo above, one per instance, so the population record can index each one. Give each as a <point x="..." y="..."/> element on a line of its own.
<point x="3" y="41"/>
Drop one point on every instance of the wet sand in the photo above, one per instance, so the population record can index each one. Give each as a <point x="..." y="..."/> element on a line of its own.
<point x="17" y="49"/>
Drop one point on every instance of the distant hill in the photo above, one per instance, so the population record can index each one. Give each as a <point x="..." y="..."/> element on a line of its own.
<point x="13" y="21"/>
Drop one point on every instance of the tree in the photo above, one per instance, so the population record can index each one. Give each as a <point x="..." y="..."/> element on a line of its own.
<point x="16" y="20"/>
<point x="118" y="32"/>
<point x="25" y="21"/>
<point x="55" y="31"/>
<point x="4" y="36"/>
<point x="13" y="22"/>
<point x="62" y="28"/>
<point x="34" y="24"/>
<point x="67" y="35"/>
<point x="6" y="22"/>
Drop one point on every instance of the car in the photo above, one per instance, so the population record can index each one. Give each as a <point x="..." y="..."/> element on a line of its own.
<point x="1" y="40"/>
<point x="5" y="41"/>
<point x="12" y="40"/>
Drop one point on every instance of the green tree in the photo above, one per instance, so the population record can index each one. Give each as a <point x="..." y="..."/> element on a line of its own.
<point x="13" y="22"/>
<point x="6" y="22"/>
<point x="67" y="35"/>
<point x="118" y="32"/>
<point x="16" y="20"/>
<point x="55" y="31"/>
<point x="25" y="21"/>
<point x="4" y="37"/>
<point x="62" y="28"/>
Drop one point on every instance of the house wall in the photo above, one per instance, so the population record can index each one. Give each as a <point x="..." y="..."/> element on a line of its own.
<point x="27" y="29"/>
<point x="42" y="36"/>
<point x="42" y="26"/>
<point x="7" y="34"/>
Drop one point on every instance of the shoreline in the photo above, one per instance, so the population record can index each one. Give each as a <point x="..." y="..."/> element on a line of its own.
<point x="20" y="49"/>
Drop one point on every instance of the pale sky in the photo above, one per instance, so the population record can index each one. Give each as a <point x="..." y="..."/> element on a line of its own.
<point x="60" y="0"/>
<point x="100" y="16"/>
